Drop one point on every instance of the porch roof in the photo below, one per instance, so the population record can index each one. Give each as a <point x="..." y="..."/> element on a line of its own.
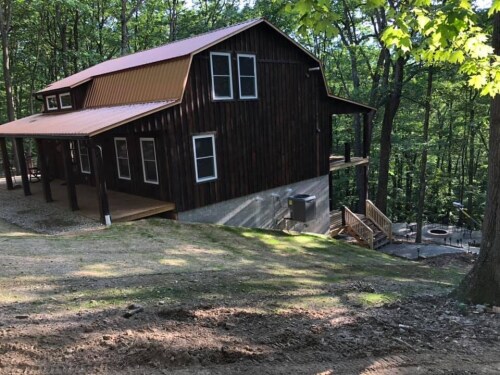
<point x="80" y="124"/>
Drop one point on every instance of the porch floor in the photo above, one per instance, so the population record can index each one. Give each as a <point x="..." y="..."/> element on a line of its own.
<point x="122" y="206"/>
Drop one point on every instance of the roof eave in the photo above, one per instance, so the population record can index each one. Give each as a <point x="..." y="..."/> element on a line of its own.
<point x="361" y="108"/>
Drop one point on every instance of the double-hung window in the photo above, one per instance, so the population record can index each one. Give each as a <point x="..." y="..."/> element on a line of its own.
<point x="149" y="167"/>
<point x="122" y="161"/>
<point x="51" y="101"/>
<point x="247" y="76"/>
<point x="205" y="162"/>
<point x="83" y="152"/>
<point x="222" y="80"/>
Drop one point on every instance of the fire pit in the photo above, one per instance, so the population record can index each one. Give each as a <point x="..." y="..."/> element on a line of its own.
<point x="438" y="233"/>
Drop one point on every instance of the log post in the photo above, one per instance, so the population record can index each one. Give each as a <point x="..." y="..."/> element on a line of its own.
<point x="70" y="178"/>
<point x="22" y="166"/>
<point x="100" y="180"/>
<point x="44" y="170"/>
<point x="6" y="164"/>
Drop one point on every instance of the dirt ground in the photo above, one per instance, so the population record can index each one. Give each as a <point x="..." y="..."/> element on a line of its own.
<point x="160" y="297"/>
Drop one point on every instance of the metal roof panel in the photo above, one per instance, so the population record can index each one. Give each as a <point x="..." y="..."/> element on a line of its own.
<point x="83" y="123"/>
<point x="166" y="52"/>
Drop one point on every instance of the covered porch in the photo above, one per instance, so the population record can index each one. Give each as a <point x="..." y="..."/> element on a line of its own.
<point x="62" y="133"/>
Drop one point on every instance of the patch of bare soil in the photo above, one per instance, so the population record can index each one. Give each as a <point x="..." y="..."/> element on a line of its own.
<point x="459" y="259"/>
<point x="427" y="334"/>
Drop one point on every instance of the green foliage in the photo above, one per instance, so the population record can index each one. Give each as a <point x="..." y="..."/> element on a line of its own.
<point x="52" y="39"/>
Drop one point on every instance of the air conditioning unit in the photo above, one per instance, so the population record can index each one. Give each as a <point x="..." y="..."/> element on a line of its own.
<point x="302" y="207"/>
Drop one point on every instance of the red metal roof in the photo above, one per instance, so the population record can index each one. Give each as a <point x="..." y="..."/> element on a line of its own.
<point x="83" y="123"/>
<point x="166" y="52"/>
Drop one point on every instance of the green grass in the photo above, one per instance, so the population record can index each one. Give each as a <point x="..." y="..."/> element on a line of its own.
<point x="240" y="265"/>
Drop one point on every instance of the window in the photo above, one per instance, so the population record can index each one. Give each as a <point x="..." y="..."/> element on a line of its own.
<point x="204" y="157"/>
<point x="247" y="76"/>
<point x="65" y="100"/>
<point x="51" y="101"/>
<point x="149" y="168"/>
<point x="222" y="80"/>
<point x="83" y="151"/>
<point x="122" y="161"/>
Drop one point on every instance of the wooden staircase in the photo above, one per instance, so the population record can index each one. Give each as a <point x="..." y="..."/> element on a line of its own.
<point x="379" y="237"/>
<point x="373" y="230"/>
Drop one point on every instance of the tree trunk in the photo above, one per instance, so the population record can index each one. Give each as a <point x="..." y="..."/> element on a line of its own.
<point x="5" y="24"/>
<point x="423" y="160"/>
<point x="5" y="28"/>
<point x="482" y="284"/>
<point x="391" y="109"/>
<point x="124" y="29"/>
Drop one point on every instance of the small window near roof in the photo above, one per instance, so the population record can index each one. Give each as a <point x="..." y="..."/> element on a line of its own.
<point x="84" y="157"/>
<point x="222" y="80"/>
<point x="247" y="76"/>
<point x="51" y="101"/>
<point x="149" y="168"/>
<point x="65" y="100"/>
<point x="122" y="161"/>
<point x="204" y="157"/>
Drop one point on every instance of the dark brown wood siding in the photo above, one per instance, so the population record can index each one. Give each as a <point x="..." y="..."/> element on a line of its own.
<point x="282" y="137"/>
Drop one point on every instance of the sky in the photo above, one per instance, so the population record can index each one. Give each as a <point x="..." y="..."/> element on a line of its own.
<point x="483" y="3"/>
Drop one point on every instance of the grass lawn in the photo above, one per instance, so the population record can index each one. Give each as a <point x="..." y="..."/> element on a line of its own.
<point x="205" y="262"/>
<point x="226" y="300"/>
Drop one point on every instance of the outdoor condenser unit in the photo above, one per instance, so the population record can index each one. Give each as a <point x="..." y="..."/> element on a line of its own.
<point x="302" y="207"/>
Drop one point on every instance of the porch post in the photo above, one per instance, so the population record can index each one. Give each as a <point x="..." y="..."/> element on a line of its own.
<point x="100" y="181"/>
<point x="44" y="169"/>
<point x="364" y="193"/>
<point x="6" y="164"/>
<point x="22" y="166"/>
<point x="367" y="119"/>
<point x="366" y="134"/>
<point x="70" y="178"/>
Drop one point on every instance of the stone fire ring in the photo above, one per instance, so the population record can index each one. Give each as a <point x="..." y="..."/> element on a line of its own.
<point x="438" y="232"/>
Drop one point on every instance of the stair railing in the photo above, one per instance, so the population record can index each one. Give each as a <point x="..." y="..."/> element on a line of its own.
<point x="379" y="219"/>
<point x="360" y="228"/>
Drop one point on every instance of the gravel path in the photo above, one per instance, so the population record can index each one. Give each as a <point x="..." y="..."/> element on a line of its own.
<point x="34" y="214"/>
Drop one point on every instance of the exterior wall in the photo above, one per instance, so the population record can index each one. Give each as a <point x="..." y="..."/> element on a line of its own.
<point x="280" y="138"/>
<point x="267" y="209"/>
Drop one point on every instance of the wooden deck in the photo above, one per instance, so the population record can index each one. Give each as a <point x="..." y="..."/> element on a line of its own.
<point x="337" y="162"/>
<point x="123" y="207"/>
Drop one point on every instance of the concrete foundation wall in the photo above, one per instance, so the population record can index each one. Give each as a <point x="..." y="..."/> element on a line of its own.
<point x="267" y="209"/>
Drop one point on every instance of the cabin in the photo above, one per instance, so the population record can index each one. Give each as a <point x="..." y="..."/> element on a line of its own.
<point x="225" y="127"/>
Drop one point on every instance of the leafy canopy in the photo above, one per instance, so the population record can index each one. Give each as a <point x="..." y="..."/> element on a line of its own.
<point x="447" y="32"/>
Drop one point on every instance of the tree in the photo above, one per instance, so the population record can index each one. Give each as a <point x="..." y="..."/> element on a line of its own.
<point x="5" y="29"/>
<point x="125" y="16"/>
<point x="423" y="162"/>
<point x="482" y="284"/>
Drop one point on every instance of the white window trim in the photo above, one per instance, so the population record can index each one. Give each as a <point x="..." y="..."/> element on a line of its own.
<point x="60" y="101"/>
<point x="228" y="55"/>
<point x="117" y="159"/>
<point x="49" y="108"/>
<point x="80" y="157"/>
<point x="256" y="96"/>
<point x="210" y="178"/>
<point x="141" y="140"/>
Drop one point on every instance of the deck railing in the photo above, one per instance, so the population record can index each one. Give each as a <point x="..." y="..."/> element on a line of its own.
<point x="378" y="217"/>
<point x="363" y="230"/>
